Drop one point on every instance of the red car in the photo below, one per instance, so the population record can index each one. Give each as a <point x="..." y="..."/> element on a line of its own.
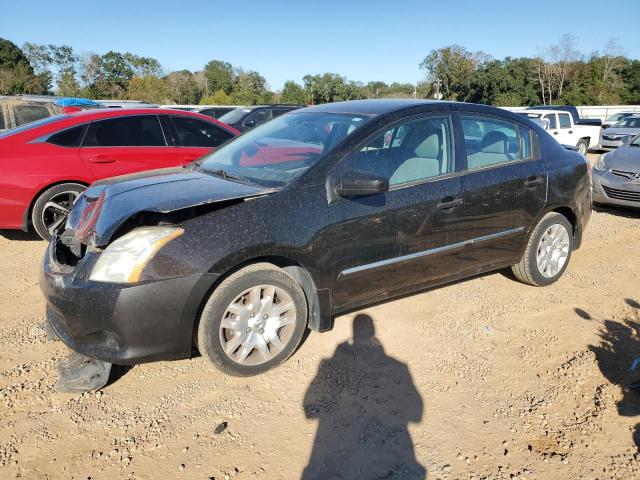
<point x="46" y="164"/>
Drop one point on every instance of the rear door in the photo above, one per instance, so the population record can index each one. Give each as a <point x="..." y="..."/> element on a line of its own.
<point x="195" y="137"/>
<point x="407" y="236"/>
<point x="127" y="144"/>
<point x="504" y="185"/>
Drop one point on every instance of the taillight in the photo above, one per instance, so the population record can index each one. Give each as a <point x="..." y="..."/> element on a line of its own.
<point x="86" y="228"/>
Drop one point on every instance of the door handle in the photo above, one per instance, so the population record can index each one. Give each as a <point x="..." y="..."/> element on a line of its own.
<point x="450" y="205"/>
<point x="533" y="182"/>
<point x="102" y="159"/>
<point x="555" y="132"/>
<point x="570" y="131"/>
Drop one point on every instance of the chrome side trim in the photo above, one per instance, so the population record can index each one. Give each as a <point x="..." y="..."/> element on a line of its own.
<point x="425" y="253"/>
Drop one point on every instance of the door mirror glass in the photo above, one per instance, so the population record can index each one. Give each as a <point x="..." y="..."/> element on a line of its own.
<point x="358" y="184"/>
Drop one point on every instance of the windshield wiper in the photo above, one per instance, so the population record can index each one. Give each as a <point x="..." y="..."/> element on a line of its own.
<point x="227" y="176"/>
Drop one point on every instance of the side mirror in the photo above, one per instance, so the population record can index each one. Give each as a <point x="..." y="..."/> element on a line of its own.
<point x="359" y="184"/>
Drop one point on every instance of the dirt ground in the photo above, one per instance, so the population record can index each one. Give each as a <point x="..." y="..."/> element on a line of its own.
<point x="484" y="379"/>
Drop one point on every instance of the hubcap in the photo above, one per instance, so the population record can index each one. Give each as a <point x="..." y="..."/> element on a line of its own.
<point x="582" y="148"/>
<point x="56" y="210"/>
<point x="257" y="325"/>
<point x="553" y="250"/>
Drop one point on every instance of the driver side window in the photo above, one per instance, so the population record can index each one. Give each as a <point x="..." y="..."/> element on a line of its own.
<point x="409" y="152"/>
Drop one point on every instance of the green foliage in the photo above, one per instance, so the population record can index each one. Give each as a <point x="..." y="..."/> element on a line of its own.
<point x="293" y="93"/>
<point x="218" y="98"/>
<point x="560" y="74"/>
<point x="249" y="88"/>
<point x="219" y="76"/>
<point x="150" y="89"/>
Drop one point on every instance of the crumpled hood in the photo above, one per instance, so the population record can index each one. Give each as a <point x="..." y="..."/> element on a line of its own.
<point x="625" y="158"/>
<point x="161" y="191"/>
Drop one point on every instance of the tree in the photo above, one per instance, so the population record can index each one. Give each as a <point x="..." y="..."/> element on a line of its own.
<point x="220" y="76"/>
<point x="453" y="66"/>
<point x="184" y="88"/>
<point x="248" y="88"/>
<point x="149" y="89"/>
<point x="218" y="98"/>
<point x="16" y="73"/>
<point x="293" y="93"/>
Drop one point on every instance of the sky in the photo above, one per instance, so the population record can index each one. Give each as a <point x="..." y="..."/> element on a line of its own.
<point x="363" y="40"/>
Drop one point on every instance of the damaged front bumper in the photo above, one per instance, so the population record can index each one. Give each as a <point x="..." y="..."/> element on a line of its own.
<point x="120" y="323"/>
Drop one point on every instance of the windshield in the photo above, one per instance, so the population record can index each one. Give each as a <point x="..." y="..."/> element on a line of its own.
<point x="278" y="151"/>
<point x="234" y="116"/>
<point x="629" y="122"/>
<point x="30" y="125"/>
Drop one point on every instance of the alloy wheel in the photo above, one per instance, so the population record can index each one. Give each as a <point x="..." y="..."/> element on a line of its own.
<point x="553" y="250"/>
<point x="257" y="325"/>
<point x="56" y="210"/>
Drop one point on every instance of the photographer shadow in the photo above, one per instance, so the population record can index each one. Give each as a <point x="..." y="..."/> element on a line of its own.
<point x="618" y="357"/>
<point x="364" y="401"/>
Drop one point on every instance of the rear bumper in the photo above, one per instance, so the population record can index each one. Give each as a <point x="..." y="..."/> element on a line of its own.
<point x="122" y="324"/>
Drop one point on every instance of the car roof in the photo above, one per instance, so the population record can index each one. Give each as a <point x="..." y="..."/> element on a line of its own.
<point x="372" y="106"/>
<point x="121" y="112"/>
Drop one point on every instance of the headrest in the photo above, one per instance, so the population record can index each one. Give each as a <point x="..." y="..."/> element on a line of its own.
<point x="429" y="147"/>
<point x="494" y="142"/>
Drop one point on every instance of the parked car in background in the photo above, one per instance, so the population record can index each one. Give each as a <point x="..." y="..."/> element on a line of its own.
<point x="620" y="133"/>
<point x="573" y="111"/>
<point x="46" y="164"/>
<point x="216" y="111"/>
<point x="565" y="131"/>
<point x="126" y="104"/>
<point x="616" y="176"/>
<point x="17" y="110"/>
<point x="318" y="212"/>
<point x="245" y="118"/>
<point x="615" y="118"/>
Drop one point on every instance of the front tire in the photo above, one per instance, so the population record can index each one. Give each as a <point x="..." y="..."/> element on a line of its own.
<point x="253" y="321"/>
<point x="548" y="252"/>
<point x="583" y="146"/>
<point x="52" y="207"/>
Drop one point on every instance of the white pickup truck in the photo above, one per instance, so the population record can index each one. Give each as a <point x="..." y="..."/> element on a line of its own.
<point x="561" y="126"/>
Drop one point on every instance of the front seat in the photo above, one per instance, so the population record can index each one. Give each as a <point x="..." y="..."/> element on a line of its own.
<point x="425" y="164"/>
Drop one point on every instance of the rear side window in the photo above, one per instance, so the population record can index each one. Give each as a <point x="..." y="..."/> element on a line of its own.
<point x="489" y="141"/>
<point x="565" y="121"/>
<point x="68" y="138"/>
<point x="29" y="113"/>
<point x="193" y="132"/>
<point x="135" y="131"/>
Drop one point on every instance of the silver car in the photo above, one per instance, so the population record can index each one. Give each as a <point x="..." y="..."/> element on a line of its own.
<point x="616" y="176"/>
<point x="618" y="133"/>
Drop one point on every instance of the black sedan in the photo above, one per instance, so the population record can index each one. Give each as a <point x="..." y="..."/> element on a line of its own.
<point x="321" y="211"/>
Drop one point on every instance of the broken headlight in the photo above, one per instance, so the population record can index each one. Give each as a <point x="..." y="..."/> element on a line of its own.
<point x="124" y="260"/>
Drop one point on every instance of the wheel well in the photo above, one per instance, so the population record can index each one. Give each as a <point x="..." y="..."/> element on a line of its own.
<point x="279" y="261"/>
<point x="588" y="139"/>
<point x="569" y="215"/>
<point x="27" y="218"/>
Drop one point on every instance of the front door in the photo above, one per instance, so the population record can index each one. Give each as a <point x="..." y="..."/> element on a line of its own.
<point x="407" y="236"/>
<point x="121" y="145"/>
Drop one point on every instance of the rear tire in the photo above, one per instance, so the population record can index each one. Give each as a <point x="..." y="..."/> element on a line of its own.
<point x="52" y="206"/>
<point x="253" y="321"/>
<point x="548" y="251"/>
